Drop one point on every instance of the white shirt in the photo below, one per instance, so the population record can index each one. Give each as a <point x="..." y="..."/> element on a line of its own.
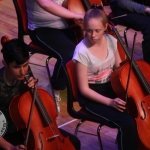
<point x="38" y="17"/>
<point x="99" y="71"/>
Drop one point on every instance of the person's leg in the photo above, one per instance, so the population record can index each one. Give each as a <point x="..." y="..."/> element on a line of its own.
<point x="75" y="141"/>
<point x="137" y="22"/>
<point x="59" y="44"/>
<point x="127" y="135"/>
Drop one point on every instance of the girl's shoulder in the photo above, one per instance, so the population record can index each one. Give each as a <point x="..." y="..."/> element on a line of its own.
<point x="111" y="42"/>
<point x="110" y="37"/>
<point x="81" y="43"/>
<point x="81" y="46"/>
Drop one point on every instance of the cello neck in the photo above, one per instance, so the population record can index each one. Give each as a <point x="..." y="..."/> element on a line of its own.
<point x="136" y="68"/>
<point x="86" y="4"/>
<point x="44" y="114"/>
<point x="46" y="118"/>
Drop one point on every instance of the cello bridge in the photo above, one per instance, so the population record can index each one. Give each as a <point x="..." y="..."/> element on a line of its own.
<point x="52" y="137"/>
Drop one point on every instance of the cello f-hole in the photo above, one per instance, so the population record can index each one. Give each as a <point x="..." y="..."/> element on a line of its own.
<point x="40" y="139"/>
<point x="143" y="111"/>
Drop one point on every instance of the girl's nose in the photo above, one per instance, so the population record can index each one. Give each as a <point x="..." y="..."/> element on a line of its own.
<point x="93" y="34"/>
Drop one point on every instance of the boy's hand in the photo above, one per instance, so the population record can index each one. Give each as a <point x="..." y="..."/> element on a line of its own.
<point x="31" y="82"/>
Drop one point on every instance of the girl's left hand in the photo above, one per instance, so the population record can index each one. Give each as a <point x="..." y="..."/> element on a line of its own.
<point x="118" y="104"/>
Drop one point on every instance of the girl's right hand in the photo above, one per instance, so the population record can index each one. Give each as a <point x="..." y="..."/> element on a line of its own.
<point x="118" y="104"/>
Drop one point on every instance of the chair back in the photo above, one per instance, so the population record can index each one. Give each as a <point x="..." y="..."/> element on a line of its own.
<point x="21" y="11"/>
<point x="71" y="70"/>
<point x="72" y="88"/>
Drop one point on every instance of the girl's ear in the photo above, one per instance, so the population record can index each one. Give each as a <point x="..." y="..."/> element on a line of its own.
<point x="106" y="26"/>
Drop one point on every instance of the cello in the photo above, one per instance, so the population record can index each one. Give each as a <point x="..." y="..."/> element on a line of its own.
<point x="138" y="103"/>
<point x="44" y="133"/>
<point x="81" y="6"/>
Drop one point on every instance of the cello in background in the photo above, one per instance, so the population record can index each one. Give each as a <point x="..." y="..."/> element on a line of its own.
<point x="138" y="103"/>
<point x="146" y="2"/>
<point x="81" y="6"/>
<point x="44" y="133"/>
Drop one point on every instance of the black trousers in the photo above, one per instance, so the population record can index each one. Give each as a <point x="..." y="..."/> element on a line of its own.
<point x="127" y="132"/>
<point x="58" y="42"/>
<point x="135" y="21"/>
<point x="17" y="138"/>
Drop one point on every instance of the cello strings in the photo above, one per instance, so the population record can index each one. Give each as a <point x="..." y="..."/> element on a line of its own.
<point x="46" y="116"/>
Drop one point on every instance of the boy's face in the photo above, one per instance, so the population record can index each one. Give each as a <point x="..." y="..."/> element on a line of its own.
<point x="17" y="72"/>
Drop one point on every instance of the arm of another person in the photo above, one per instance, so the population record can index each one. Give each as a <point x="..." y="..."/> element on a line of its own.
<point x="55" y="9"/>
<point x="8" y="146"/>
<point x="91" y="94"/>
<point x="133" y="6"/>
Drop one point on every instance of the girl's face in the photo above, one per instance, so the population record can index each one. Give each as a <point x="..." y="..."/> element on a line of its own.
<point x="94" y="30"/>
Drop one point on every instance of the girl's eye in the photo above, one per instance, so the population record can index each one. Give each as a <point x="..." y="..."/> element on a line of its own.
<point x="97" y="31"/>
<point x="90" y="31"/>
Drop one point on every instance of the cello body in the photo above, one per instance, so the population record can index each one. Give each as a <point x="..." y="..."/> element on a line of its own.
<point x="138" y="104"/>
<point x="44" y="134"/>
<point x="77" y="6"/>
<point x="138" y="92"/>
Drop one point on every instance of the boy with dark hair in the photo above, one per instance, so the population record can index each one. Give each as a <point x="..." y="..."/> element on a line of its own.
<point x="16" y="66"/>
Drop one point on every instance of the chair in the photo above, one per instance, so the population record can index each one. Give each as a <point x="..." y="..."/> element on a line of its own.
<point x="72" y="96"/>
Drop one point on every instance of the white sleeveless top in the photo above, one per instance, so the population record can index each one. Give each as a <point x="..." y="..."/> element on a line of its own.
<point x="38" y="17"/>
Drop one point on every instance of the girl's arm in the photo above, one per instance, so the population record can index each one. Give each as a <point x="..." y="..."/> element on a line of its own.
<point x="84" y="87"/>
<point x="82" y="79"/>
<point x="118" y="59"/>
<point x="56" y="9"/>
